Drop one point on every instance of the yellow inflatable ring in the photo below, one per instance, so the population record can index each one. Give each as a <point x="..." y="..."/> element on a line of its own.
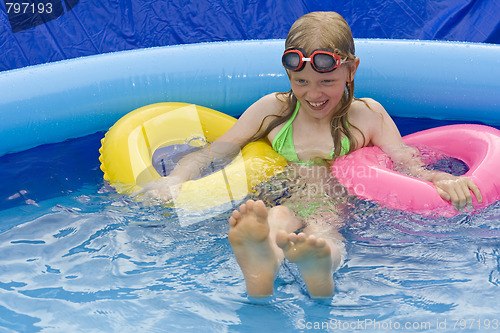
<point x="127" y="151"/>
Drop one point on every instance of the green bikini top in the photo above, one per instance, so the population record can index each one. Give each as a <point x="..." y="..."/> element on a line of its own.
<point x="283" y="142"/>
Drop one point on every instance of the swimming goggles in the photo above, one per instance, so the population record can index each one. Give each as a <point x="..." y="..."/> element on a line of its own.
<point x="322" y="61"/>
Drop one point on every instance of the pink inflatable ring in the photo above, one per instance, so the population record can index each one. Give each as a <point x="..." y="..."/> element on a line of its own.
<point x="368" y="172"/>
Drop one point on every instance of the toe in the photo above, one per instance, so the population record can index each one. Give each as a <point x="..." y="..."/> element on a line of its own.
<point x="260" y="209"/>
<point x="232" y="221"/>
<point x="283" y="240"/>
<point x="250" y="203"/>
<point x="301" y="237"/>
<point x="311" y="240"/>
<point x="320" y="242"/>
<point x="243" y="208"/>
<point x="236" y="215"/>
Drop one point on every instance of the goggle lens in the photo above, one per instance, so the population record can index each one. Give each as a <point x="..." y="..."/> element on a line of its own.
<point x="324" y="62"/>
<point x="292" y="60"/>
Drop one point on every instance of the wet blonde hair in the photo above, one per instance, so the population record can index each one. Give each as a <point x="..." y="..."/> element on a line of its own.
<point x="322" y="30"/>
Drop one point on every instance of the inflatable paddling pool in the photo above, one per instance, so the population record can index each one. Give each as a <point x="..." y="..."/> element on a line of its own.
<point x="368" y="172"/>
<point x="128" y="148"/>
<point x="43" y="104"/>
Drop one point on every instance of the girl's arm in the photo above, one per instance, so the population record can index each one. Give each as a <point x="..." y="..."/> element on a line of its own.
<point x="189" y="167"/>
<point x="225" y="147"/>
<point x="449" y="187"/>
<point x="382" y="132"/>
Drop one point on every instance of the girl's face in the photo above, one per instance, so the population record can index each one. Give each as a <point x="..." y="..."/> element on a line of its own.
<point x="320" y="93"/>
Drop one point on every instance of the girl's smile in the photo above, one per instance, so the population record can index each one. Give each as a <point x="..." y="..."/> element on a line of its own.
<point x="317" y="106"/>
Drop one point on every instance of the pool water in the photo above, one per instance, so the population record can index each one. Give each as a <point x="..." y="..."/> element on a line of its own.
<point x="76" y="256"/>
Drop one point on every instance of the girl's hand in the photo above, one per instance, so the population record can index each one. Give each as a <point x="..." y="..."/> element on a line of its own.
<point x="457" y="190"/>
<point x="159" y="192"/>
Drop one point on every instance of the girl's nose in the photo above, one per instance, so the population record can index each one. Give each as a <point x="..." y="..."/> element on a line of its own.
<point x="314" y="93"/>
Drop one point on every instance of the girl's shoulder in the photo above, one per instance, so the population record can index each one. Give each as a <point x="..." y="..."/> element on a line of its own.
<point x="366" y="105"/>
<point x="366" y="109"/>
<point x="371" y="118"/>
<point x="255" y="119"/>
<point x="272" y="104"/>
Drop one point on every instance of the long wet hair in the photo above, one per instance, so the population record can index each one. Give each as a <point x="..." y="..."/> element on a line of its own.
<point x="321" y="30"/>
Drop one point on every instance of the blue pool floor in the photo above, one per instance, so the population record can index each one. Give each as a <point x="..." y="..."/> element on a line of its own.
<point x="76" y="256"/>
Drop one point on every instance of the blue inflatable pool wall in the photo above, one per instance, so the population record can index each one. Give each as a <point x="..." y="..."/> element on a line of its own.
<point x="72" y="98"/>
<point x="85" y="63"/>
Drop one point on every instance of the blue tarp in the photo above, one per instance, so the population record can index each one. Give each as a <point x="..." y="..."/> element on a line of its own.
<point x="41" y="31"/>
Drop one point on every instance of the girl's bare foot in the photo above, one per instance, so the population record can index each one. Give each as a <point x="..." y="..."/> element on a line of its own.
<point x="316" y="259"/>
<point x="258" y="258"/>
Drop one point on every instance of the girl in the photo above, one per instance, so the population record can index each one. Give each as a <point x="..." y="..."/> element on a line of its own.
<point x="319" y="119"/>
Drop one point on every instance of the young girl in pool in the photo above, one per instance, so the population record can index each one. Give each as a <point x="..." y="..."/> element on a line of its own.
<point x="318" y="119"/>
